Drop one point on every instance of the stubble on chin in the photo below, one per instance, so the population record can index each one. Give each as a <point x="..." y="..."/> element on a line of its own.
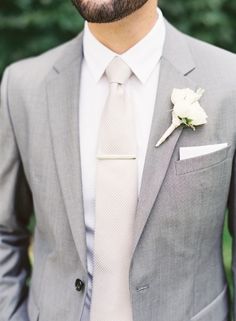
<point x="104" y="11"/>
<point x="98" y="11"/>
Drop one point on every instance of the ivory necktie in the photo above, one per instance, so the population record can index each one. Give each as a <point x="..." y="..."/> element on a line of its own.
<point x="116" y="200"/>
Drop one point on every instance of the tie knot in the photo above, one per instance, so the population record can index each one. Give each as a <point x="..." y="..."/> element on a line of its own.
<point x="118" y="71"/>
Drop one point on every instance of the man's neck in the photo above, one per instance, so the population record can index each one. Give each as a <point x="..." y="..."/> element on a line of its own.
<point x="121" y="35"/>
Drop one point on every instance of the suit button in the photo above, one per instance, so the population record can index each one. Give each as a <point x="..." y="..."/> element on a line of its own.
<point x="79" y="284"/>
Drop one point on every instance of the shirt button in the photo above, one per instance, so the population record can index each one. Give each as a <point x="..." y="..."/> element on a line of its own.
<point x="79" y="285"/>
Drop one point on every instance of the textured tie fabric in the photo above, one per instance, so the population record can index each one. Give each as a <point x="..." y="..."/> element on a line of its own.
<point x="116" y="200"/>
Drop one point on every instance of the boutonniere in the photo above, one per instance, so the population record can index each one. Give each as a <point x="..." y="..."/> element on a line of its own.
<point x="186" y="112"/>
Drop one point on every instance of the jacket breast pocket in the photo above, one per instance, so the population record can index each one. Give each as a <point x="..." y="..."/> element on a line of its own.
<point x="216" y="310"/>
<point x="201" y="162"/>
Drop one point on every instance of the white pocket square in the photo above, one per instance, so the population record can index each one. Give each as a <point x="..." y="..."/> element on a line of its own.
<point x="194" y="151"/>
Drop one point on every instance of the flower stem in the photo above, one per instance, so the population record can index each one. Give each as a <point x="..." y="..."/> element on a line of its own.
<point x="167" y="133"/>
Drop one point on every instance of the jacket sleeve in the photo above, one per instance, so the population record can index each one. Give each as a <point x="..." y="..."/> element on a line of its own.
<point x="232" y="230"/>
<point x="15" y="210"/>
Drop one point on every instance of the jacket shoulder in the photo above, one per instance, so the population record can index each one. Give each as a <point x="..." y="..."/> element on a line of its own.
<point x="212" y="60"/>
<point x="36" y="68"/>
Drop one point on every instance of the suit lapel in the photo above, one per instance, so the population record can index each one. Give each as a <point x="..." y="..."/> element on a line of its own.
<point x="176" y="62"/>
<point x="63" y="103"/>
<point x="63" y="106"/>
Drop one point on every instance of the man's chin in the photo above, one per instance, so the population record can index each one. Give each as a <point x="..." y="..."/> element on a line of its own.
<point x="107" y="20"/>
<point x="107" y="11"/>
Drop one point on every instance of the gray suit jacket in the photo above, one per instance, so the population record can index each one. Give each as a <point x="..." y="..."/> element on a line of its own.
<point x="177" y="269"/>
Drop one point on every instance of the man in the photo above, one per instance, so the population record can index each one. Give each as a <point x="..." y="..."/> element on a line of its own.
<point x="125" y="230"/>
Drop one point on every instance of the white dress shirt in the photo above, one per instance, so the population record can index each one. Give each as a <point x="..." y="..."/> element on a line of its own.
<point x="144" y="60"/>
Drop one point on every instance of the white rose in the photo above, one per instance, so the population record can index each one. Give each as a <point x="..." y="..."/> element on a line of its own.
<point x="197" y="114"/>
<point x="186" y="111"/>
<point x="191" y="111"/>
<point x="182" y="109"/>
<point x="186" y="94"/>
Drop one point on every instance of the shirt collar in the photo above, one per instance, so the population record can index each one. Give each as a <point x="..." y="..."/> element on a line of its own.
<point x="141" y="58"/>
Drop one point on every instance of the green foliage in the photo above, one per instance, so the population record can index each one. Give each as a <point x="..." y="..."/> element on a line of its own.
<point x="227" y="255"/>
<point x="29" y="27"/>
<point x="210" y="20"/>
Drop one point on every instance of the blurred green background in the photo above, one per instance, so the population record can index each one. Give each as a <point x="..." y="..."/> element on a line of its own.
<point x="29" y="27"/>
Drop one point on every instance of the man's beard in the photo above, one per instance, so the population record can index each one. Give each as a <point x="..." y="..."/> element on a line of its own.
<point x="108" y="10"/>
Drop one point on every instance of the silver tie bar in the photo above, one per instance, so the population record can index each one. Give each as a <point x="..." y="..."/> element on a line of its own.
<point x="114" y="156"/>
